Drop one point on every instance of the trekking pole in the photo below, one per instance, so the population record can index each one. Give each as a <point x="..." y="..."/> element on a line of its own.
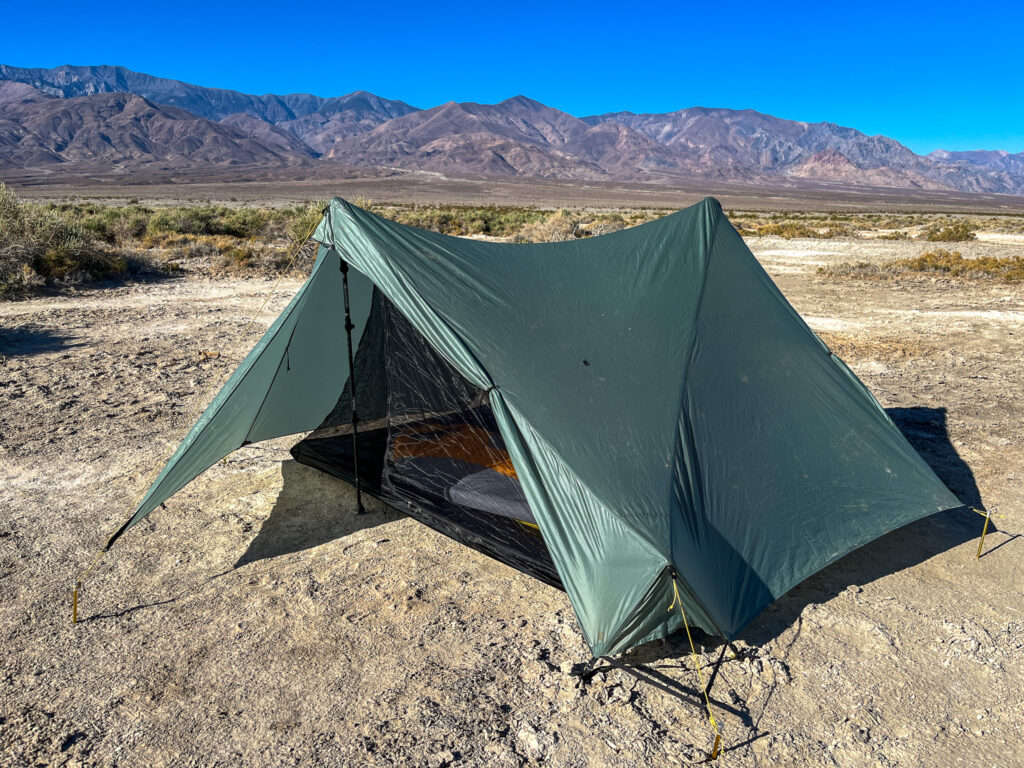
<point x="352" y="385"/>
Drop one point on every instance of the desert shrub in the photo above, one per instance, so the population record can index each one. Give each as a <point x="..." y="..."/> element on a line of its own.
<point x="1009" y="269"/>
<point x="38" y="246"/>
<point x="302" y="220"/>
<point x="257" y="257"/>
<point x="606" y="224"/>
<point x="209" y="220"/>
<point x="242" y="222"/>
<point x="463" y="220"/>
<point x="898" y="234"/>
<point x="787" y="229"/>
<point x="112" y="225"/>
<point x="954" y="232"/>
<point x="235" y="259"/>
<point x="557" y="227"/>
<point x="939" y="262"/>
<point x="181" y="221"/>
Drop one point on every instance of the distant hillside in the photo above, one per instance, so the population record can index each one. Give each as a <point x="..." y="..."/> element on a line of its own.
<point x="124" y="130"/>
<point x="74" y="115"/>
<point x="211" y="103"/>
<point x="736" y="143"/>
<point x="996" y="159"/>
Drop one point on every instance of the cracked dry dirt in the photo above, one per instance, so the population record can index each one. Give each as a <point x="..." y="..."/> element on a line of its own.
<point x="257" y="621"/>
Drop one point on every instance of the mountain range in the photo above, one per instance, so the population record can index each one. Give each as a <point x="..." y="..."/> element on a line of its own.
<point x="111" y="119"/>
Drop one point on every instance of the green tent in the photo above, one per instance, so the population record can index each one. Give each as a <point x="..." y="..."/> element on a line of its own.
<point x="615" y="415"/>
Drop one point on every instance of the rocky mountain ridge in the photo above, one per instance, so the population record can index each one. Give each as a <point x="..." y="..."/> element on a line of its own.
<point x="108" y="115"/>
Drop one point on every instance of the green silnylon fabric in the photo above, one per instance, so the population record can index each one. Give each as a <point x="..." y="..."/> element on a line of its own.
<point x="786" y="461"/>
<point x="286" y="384"/>
<point x="613" y="364"/>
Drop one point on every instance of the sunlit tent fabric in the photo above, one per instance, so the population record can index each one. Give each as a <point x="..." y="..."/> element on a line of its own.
<point x="607" y="414"/>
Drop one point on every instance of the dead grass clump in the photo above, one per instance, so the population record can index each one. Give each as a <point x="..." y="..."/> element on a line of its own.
<point x="558" y="227"/>
<point x="883" y="348"/>
<point x="839" y="231"/>
<point x="256" y="257"/>
<point x="199" y="249"/>
<point x="606" y="224"/>
<point x="38" y="248"/>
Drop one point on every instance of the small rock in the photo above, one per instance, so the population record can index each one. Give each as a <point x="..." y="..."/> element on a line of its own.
<point x="441" y="759"/>
<point x="530" y="741"/>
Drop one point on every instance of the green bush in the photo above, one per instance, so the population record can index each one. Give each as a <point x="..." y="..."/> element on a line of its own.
<point x="209" y="220"/>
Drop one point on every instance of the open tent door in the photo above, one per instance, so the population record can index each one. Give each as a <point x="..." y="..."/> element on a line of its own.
<point x="286" y="384"/>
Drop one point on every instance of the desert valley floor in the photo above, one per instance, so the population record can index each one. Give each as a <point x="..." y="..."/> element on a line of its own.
<point x="258" y="621"/>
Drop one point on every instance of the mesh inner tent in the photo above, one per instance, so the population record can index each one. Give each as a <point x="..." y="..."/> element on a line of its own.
<point x="428" y="445"/>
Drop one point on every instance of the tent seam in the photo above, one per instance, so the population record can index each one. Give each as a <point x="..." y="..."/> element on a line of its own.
<point x="708" y="248"/>
<point x="273" y="381"/>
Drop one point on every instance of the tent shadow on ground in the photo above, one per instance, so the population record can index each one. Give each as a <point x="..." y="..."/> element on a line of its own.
<point x="31" y="340"/>
<point x="311" y="509"/>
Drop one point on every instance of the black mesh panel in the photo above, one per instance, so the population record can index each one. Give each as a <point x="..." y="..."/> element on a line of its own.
<point x="429" y="445"/>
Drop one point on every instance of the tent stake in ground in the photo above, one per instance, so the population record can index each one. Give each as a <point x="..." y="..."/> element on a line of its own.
<point x="640" y="418"/>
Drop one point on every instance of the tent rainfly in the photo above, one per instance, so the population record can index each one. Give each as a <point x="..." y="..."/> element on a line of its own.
<point x="624" y="417"/>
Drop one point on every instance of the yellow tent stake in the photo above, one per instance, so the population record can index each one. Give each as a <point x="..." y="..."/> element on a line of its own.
<point x="983" y="532"/>
<point x="985" y="513"/>
<point x="716" y="749"/>
<point x="196" y="400"/>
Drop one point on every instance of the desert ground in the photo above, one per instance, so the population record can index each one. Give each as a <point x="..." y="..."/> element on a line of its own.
<point x="258" y="621"/>
<point x="267" y="187"/>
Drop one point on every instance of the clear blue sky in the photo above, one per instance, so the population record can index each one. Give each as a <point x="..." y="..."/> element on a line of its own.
<point x="932" y="75"/>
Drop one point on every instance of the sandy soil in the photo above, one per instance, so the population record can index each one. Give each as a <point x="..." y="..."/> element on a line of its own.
<point x="258" y="621"/>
